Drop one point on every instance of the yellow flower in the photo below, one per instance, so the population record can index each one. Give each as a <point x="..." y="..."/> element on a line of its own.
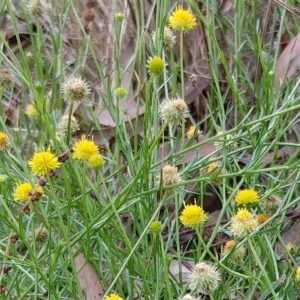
<point x="43" y="162"/>
<point x="120" y="92"/>
<point x="155" y="65"/>
<point x="23" y="191"/>
<point x="298" y="273"/>
<point x="238" y="254"/>
<point x="246" y="196"/>
<point x="262" y="218"/>
<point x="229" y="245"/>
<point x="193" y="131"/>
<point x="85" y="149"/>
<point x="212" y="169"/>
<point x="155" y="226"/>
<point x="113" y="297"/>
<point x="119" y="17"/>
<point x="243" y="223"/>
<point x="243" y="215"/>
<point x="192" y="215"/>
<point x="181" y="19"/>
<point x="31" y="111"/>
<point x="4" y="141"/>
<point x="96" y="161"/>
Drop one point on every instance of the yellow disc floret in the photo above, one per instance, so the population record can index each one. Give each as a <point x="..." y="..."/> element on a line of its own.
<point x="42" y="162"/>
<point x="246" y="197"/>
<point x="192" y="216"/>
<point x="182" y="19"/>
<point x="84" y="149"/>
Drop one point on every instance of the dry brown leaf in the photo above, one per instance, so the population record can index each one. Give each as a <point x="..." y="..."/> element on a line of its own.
<point x="288" y="62"/>
<point x="186" y="268"/>
<point x="268" y="158"/>
<point x="88" y="279"/>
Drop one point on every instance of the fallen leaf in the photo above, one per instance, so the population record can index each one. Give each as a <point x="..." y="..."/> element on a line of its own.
<point x="288" y="62"/>
<point x="88" y="279"/>
<point x="185" y="269"/>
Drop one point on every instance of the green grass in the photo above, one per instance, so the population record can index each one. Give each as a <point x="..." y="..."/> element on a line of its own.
<point x="106" y="214"/>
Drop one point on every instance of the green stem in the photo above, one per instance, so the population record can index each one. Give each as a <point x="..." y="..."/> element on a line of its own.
<point x="181" y="66"/>
<point x="134" y="248"/>
<point x="262" y="268"/>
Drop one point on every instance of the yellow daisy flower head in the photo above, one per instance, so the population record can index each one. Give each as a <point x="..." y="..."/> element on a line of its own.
<point x="84" y="149"/>
<point x="238" y="254"/>
<point x="243" y="223"/>
<point x="23" y="191"/>
<point x="120" y="92"/>
<point x="96" y="161"/>
<point x="168" y="176"/>
<point x="155" y="65"/>
<point x="182" y="19"/>
<point x="243" y="215"/>
<point x="42" y="162"/>
<point x="246" y="196"/>
<point x="4" y="141"/>
<point x="31" y="111"/>
<point x="75" y="89"/>
<point x="173" y="111"/>
<point x="155" y="227"/>
<point x="192" y="131"/>
<point x="229" y="245"/>
<point x="298" y="273"/>
<point x="192" y="215"/>
<point x="120" y="17"/>
<point x="205" y="278"/>
<point x="113" y="297"/>
<point x="213" y="169"/>
<point x="262" y="218"/>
